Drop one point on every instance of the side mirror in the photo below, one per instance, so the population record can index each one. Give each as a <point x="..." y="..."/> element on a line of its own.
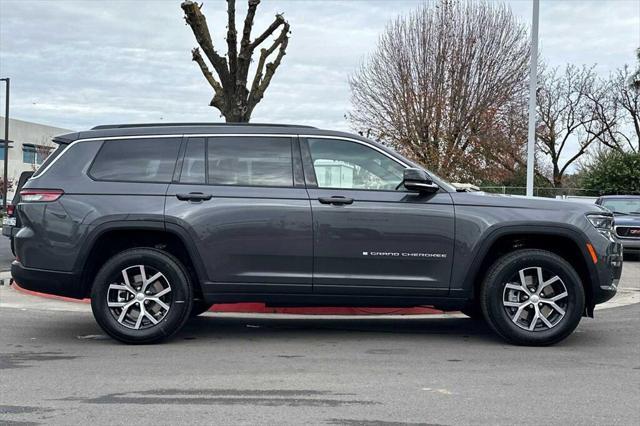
<point x="417" y="180"/>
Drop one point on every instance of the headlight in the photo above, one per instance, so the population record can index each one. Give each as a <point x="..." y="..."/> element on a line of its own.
<point x="603" y="223"/>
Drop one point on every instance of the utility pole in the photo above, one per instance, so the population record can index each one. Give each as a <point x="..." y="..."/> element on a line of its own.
<point x="6" y="145"/>
<point x="533" y="83"/>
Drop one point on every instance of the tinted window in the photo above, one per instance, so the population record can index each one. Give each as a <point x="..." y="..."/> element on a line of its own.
<point x="350" y="165"/>
<point x="140" y="160"/>
<point x="193" y="170"/>
<point x="250" y="161"/>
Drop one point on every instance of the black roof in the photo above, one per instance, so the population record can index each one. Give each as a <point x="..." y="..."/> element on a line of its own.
<point x="150" y="129"/>
<point x="129" y="126"/>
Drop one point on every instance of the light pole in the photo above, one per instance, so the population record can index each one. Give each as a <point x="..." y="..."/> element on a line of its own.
<point x="533" y="82"/>
<point x="6" y="145"/>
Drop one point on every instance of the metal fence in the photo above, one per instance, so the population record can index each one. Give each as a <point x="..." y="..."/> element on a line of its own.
<point x="541" y="191"/>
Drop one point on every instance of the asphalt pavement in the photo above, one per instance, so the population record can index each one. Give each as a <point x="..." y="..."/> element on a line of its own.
<point x="57" y="367"/>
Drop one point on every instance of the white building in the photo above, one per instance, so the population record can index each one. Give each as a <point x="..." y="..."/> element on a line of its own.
<point x="31" y="145"/>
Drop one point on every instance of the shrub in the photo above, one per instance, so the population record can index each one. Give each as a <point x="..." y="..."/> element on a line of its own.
<point x="614" y="173"/>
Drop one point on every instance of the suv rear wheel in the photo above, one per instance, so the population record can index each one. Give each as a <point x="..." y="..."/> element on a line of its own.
<point x="532" y="297"/>
<point x="141" y="295"/>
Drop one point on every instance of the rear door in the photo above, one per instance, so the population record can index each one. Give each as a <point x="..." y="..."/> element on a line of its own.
<point x="243" y="202"/>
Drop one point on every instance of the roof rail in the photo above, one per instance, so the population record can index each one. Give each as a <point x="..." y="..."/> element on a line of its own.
<point x="127" y="126"/>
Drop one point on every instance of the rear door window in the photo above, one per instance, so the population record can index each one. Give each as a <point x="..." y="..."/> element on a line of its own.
<point x="250" y="161"/>
<point x="136" y="160"/>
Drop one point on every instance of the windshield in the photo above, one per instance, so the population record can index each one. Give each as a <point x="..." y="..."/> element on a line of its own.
<point x="623" y="205"/>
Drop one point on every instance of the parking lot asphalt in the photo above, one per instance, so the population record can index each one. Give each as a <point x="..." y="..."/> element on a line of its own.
<point x="57" y="367"/>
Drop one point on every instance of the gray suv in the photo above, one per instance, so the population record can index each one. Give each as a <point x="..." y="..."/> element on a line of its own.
<point x="157" y="222"/>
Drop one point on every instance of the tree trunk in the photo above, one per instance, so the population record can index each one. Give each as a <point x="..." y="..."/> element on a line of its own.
<point x="232" y="97"/>
<point x="557" y="177"/>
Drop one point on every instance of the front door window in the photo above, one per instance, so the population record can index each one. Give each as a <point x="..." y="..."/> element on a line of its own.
<point x="350" y="165"/>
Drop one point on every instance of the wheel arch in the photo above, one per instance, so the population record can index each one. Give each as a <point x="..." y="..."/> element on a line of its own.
<point x="112" y="237"/>
<point x="568" y="243"/>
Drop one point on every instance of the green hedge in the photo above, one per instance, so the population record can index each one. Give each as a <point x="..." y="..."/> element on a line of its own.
<point x="614" y="173"/>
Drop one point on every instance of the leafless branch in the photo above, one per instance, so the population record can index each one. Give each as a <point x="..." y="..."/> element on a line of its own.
<point x="231" y="95"/>
<point x="260" y="82"/>
<point x="447" y="86"/>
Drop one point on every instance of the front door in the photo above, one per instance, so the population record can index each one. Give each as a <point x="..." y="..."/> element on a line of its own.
<point x="247" y="211"/>
<point x="370" y="235"/>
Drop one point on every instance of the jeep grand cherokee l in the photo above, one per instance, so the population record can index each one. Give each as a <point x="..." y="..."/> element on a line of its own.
<point x="157" y="222"/>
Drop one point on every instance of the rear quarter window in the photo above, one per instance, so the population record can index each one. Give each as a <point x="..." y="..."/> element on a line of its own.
<point x="136" y="160"/>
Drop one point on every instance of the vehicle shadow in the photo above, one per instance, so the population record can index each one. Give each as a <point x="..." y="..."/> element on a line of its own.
<point x="241" y="327"/>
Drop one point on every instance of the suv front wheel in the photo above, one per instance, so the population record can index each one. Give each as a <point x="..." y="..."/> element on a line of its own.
<point x="141" y="295"/>
<point x="532" y="297"/>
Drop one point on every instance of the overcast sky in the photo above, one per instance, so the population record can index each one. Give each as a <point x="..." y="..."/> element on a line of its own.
<point x="76" y="64"/>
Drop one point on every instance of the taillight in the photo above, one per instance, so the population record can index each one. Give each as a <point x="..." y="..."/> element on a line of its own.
<point x="10" y="209"/>
<point x="40" y="195"/>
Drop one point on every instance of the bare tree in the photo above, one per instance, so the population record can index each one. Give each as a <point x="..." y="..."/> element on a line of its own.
<point x="634" y="82"/>
<point x="444" y="87"/>
<point x="619" y="112"/>
<point x="42" y="152"/>
<point x="231" y="95"/>
<point x="568" y="123"/>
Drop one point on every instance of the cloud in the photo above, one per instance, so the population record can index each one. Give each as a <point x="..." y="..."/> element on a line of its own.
<point x="77" y="64"/>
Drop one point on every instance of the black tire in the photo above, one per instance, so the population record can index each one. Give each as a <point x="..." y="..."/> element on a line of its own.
<point x="473" y="311"/>
<point x="180" y="296"/>
<point x="494" y="291"/>
<point x="200" y="307"/>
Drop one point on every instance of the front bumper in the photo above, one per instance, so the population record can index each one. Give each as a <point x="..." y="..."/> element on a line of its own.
<point x="46" y="281"/>
<point x="630" y="244"/>
<point x="609" y="270"/>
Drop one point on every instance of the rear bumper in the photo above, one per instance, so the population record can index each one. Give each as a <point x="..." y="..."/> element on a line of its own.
<point x="45" y="281"/>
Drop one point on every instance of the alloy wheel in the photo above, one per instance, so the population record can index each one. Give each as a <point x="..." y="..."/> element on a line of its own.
<point x="535" y="299"/>
<point x="140" y="298"/>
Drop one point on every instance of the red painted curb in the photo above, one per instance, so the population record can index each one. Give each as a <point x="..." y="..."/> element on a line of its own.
<point x="262" y="309"/>
<point x="48" y="296"/>
<point x="321" y="310"/>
